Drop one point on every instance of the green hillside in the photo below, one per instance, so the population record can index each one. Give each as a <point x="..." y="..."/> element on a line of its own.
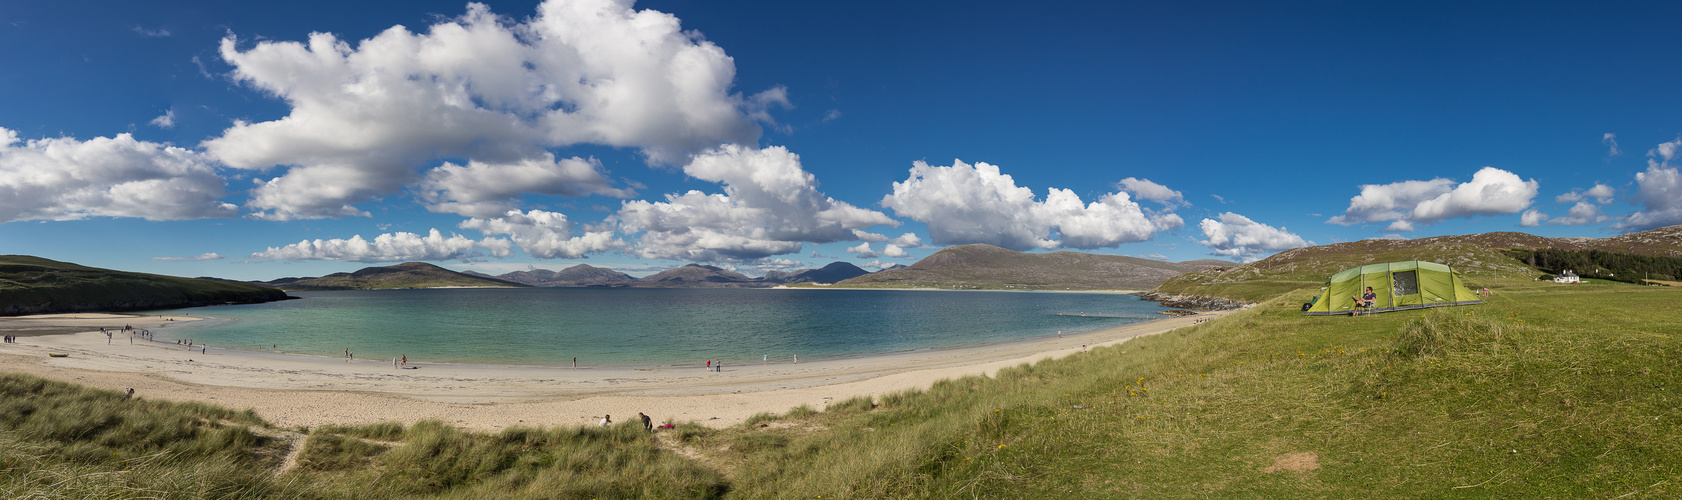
<point x="405" y="275"/>
<point x="33" y="285"/>
<point x="1480" y="258"/>
<point x="988" y="266"/>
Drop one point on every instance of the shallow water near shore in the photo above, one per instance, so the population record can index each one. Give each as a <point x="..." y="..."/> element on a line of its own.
<point x="646" y="326"/>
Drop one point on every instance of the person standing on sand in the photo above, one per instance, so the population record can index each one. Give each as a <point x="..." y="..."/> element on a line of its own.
<point x="405" y="360"/>
<point x="647" y="423"/>
<point x="607" y="420"/>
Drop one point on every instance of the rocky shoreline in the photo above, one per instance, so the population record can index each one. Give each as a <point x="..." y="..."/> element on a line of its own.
<point x="1192" y="301"/>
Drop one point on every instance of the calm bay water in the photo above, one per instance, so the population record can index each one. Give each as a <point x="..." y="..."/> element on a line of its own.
<point x="645" y="326"/>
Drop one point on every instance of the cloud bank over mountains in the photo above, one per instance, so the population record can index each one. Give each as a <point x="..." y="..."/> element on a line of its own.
<point x="978" y="203"/>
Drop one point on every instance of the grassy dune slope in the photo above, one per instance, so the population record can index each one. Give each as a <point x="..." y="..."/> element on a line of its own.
<point x="1546" y="391"/>
<point x="33" y="285"/>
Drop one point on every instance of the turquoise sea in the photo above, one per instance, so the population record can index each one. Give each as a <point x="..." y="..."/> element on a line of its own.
<point x="645" y="326"/>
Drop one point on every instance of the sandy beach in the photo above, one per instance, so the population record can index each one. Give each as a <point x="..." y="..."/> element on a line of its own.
<point x="291" y="390"/>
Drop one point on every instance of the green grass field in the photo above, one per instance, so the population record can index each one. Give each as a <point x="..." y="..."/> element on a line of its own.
<point x="1543" y="392"/>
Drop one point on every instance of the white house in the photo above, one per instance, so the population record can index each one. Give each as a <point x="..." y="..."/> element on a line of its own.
<point x="1566" y="276"/>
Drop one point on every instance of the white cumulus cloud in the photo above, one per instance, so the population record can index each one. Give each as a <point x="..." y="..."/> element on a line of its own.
<point x="365" y="116"/>
<point x="68" y="179"/>
<point x="770" y="205"/>
<point x="1601" y="193"/>
<point x="908" y="240"/>
<point x="862" y="251"/>
<point x="1610" y="140"/>
<point x="1580" y="214"/>
<point x="1658" y="191"/>
<point x="545" y="235"/>
<point x="1532" y="218"/>
<point x="1238" y="237"/>
<point x="482" y="189"/>
<point x="166" y="120"/>
<point x="978" y="204"/>
<point x="1491" y="191"/>
<point x="1146" y="190"/>
<point x="389" y="247"/>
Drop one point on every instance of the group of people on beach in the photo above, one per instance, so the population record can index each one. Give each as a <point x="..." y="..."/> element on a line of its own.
<point x="398" y="362"/>
<point x="11" y="339"/>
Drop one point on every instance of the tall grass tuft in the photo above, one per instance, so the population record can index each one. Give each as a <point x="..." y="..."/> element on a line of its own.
<point x="1438" y="330"/>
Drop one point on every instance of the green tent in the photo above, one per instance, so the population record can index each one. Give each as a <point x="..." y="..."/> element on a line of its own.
<point x="1399" y="286"/>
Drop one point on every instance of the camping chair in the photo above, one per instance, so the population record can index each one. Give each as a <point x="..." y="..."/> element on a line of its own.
<point x="1358" y="307"/>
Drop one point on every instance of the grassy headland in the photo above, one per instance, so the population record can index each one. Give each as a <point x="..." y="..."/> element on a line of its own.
<point x="1544" y="391"/>
<point x="33" y="285"/>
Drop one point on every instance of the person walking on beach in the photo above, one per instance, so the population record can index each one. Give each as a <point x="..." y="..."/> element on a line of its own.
<point x="607" y="420"/>
<point x="405" y="360"/>
<point x="647" y="423"/>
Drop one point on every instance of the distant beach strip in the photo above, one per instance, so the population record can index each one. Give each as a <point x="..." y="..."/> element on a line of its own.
<point x="292" y="390"/>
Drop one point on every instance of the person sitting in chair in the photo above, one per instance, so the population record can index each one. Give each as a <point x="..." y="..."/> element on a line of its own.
<point x="1366" y="299"/>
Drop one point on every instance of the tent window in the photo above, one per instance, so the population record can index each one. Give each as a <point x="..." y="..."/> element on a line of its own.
<point x="1404" y="283"/>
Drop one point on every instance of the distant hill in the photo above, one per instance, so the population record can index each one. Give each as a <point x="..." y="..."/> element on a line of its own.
<point x="575" y="276"/>
<point x="697" y="275"/>
<point x="835" y="272"/>
<point x="1478" y="257"/>
<point x="405" y="275"/>
<point x="33" y="285"/>
<point x="988" y="266"/>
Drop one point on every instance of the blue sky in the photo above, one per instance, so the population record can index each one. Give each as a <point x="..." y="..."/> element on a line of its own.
<point x="304" y="138"/>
